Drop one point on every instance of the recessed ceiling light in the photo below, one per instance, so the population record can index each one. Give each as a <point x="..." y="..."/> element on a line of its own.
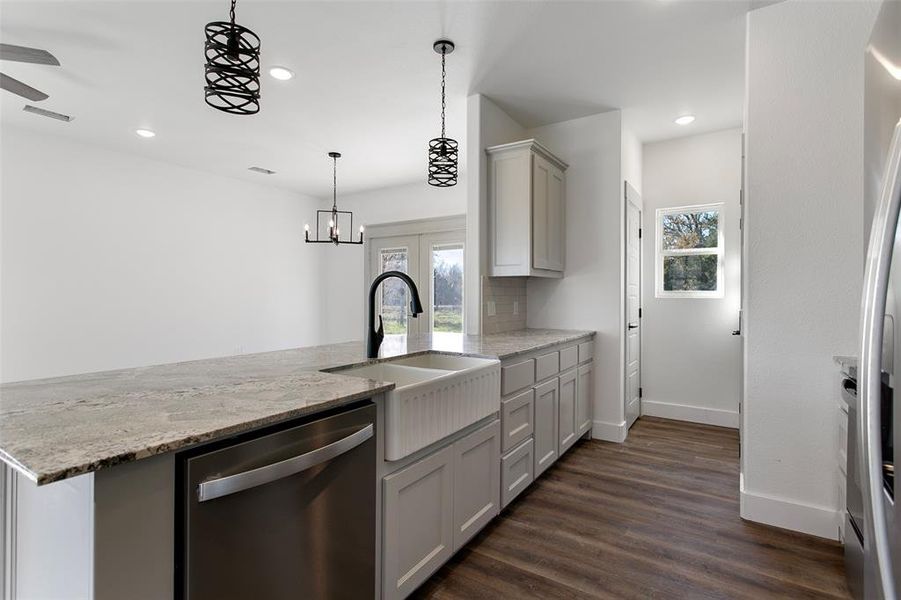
<point x="685" y="119"/>
<point x="281" y="73"/>
<point x="145" y="133"/>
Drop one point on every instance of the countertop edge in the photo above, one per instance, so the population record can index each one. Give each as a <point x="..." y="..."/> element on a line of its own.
<point x="48" y="477"/>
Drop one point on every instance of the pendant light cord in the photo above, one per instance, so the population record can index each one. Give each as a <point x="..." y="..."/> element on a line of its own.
<point x="231" y="13"/>
<point x="335" y="185"/>
<point x="443" y="77"/>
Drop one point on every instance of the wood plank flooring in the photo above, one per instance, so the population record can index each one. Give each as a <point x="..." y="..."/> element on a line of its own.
<point x="655" y="517"/>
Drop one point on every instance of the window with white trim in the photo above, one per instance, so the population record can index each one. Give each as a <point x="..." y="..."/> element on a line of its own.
<point x="690" y="252"/>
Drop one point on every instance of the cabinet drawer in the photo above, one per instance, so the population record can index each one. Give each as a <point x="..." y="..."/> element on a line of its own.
<point x="569" y="357"/>
<point x="547" y="365"/>
<point x="516" y="472"/>
<point x="586" y="351"/>
<point x="517" y="419"/>
<point x="517" y="376"/>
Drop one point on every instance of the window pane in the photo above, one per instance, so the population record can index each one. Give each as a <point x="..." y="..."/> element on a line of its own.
<point x="694" y="273"/>
<point x="447" y="288"/>
<point x="394" y="292"/>
<point x="690" y="230"/>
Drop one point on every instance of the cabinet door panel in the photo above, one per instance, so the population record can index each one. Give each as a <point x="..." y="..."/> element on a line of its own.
<point x="556" y="221"/>
<point x="541" y="177"/>
<point x="546" y="428"/>
<point x="509" y="214"/>
<point x="418" y="522"/>
<point x="584" y="399"/>
<point x="477" y="482"/>
<point x="567" y="411"/>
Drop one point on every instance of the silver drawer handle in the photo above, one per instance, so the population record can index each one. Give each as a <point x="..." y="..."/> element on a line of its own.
<point x="223" y="486"/>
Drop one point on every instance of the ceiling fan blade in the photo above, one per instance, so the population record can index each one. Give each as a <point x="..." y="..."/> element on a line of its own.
<point x="28" y="55"/>
<point x="17" y="87"/>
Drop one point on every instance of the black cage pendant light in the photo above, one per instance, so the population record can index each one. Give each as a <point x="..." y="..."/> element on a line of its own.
<point x="334" y="231"/>
<point x="232" y="67"/>
<point x="443" y="150"/>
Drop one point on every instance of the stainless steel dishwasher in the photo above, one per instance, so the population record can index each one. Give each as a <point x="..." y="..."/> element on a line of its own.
<point x="288" y="513"/>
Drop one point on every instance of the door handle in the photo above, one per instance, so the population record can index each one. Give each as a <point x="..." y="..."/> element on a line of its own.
<point x="736" y="332"/>
<point x="223" y="486"/>
<point x="633" y="325"/>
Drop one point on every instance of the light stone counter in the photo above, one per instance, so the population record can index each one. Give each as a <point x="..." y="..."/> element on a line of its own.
<point x="52" y="429"/>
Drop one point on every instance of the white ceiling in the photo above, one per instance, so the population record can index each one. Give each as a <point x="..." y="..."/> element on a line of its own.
<point x="367" y="80"/>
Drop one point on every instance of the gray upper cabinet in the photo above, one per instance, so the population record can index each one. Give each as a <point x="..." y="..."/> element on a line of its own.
<point x="526" y="210"/>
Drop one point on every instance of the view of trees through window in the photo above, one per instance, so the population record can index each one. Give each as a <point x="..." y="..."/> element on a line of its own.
<point x="447" y="286"/>
<point x="690" y="251"/>
<point x="447" y="290"/>
<point x="394" y="292"/>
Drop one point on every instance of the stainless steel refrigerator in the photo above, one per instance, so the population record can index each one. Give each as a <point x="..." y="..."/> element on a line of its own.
<point x="873" y="535"/>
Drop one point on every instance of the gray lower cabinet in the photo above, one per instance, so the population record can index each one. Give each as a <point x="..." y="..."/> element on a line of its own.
<point x="517" y="472"/>
<point x="567" y="411"/>
<point x="583" y="399"/>
<point x="418" y="525"/>
<point x="477" y="476"/>
<point x="434" y="506"/>
<point x="546" y="426"/>
<point x="517" y="418"/>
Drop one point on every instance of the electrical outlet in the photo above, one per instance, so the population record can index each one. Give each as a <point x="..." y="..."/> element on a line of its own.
<point x="491" y="308"/>
<point x="516" y="307"/>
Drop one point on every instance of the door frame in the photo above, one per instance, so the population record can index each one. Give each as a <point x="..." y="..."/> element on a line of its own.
<point x="630" y="194"/>
<point x="415" y="227"/>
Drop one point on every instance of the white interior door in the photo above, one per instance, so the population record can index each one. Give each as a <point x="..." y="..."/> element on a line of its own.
<point x="397" y="253"/>
<point x="633" y="306"/>
<point x="442" y="258"/>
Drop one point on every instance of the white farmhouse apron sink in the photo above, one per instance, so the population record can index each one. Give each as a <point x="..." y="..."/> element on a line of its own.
<point x="435" y="395"/>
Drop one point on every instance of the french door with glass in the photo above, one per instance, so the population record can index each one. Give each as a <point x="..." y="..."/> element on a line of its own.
<point x="435" y="263"/>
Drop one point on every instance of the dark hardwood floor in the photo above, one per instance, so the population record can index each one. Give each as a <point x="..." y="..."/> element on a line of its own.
<point x="655" y="517"/>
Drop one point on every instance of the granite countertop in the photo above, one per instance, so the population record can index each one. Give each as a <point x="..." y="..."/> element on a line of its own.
<point x="52" y="429"/>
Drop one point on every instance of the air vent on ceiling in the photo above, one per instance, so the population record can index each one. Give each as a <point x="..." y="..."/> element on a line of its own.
<point x="47" y="113"/>
<point x="261" y="170"/>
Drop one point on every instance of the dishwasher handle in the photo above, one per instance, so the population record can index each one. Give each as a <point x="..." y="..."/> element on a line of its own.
<point x="223" y="486"/>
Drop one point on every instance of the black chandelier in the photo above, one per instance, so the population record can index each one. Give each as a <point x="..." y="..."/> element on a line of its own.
<point x="334" y="231"/>
<point x="443" y="150"/>
<point x="232" y="67"/>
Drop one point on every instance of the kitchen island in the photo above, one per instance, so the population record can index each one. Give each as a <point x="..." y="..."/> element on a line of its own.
<point x="106" y="442"/>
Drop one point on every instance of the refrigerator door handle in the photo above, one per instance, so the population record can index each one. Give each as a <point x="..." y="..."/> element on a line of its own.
<point x="223" y="486"/>
<point x="873" y="305"/>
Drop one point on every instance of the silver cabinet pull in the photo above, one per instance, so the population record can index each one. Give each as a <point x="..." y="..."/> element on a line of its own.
<point x="876" y="281"/>
<point x="223" y="486"/>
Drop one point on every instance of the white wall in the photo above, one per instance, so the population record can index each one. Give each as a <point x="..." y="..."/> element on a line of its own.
<point x="486" y="125"/>
<point x="344" y="295"/>
<point x="690" y="359"/>
<point x="590" y="295"/>
<point x="113" y="260"/>
<point x="805" y="252"/>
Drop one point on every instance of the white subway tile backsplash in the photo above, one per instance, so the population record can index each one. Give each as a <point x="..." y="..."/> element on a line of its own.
<point x="506" y="297"/>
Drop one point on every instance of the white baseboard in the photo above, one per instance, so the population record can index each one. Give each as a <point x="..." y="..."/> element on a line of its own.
<point x="609" y="432"/>
<point x="694" y="414"/>
<point x="788" y="514"/>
